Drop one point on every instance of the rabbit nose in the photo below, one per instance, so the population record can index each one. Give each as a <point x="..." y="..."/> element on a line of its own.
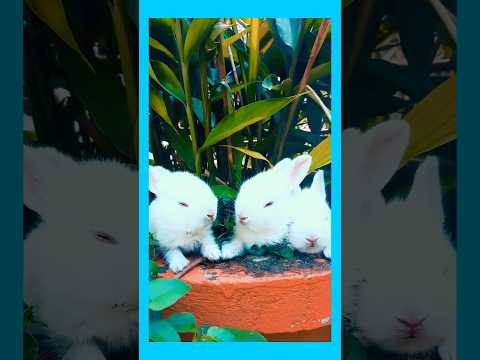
<point x="312" y="241"/>
<point x="211" y="216"/>
<point x="242" y="219"/>
<point x="411" y="324"/>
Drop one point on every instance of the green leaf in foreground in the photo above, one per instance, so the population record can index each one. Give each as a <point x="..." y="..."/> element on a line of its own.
<point x="166" y="292"/>
<point x="183" y="322"/>
<point x="245" y="116"/>
<point x="162" y="330"/>
<point x="235" y="335"/>
<point x="30" y="347"/>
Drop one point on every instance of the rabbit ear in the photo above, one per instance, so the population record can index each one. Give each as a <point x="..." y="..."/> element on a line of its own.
<point x="383" y="149"/>
<point x="155" y="175"/>
<point x="42" y="169"/>
<point x="426" y="193"/>
<point x="299" y="169"/>
<point x="318" y="183"/>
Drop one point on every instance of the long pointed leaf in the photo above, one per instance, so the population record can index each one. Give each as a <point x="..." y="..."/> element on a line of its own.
<point x="157" y="103"/>
<point x="52" y="13"/>
<point x="245" y="116"/>
<point x="321" y="154"/>
<point x="157" y="45"/>
<point x="251" y="153"/>
<point x="197" y="33"/>
<point x="433" y="120"/>
<point x="167" y="80"/>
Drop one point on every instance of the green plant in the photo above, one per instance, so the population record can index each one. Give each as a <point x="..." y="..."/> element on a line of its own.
<point x="229" y="97"/>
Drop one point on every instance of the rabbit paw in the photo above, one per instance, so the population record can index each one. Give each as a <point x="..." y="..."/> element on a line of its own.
<point x="176" y="260"/>
<point x="211" y="251"/>
<point x="232" y="249"/>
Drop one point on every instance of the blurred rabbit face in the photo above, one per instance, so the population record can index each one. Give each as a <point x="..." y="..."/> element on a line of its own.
<point x="406" y="302"/>
<point x="81" y="261"/>
<point x="185" y="207"/>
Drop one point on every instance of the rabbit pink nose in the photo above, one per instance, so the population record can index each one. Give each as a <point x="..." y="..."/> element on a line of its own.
<point x="242" y="219"/>
<point x="411" y="324"/>
<point x="312" y="241"/>
<point x="211" y="216"/>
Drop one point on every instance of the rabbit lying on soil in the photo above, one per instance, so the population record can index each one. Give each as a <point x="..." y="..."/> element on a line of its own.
<point x="262" y="206"/>
<point x="181" y="216"/>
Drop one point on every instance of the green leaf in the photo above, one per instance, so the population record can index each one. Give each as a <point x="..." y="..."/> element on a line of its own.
<point x="321" y="154"/>
<point x="167" y="79"/>
<point x="30" y="347"/>
<point x="92" y="89"/>
<point x="287" y="30"/>
<point x="153" y="267"/>
<point x="157" y="45"/>
<point x="183" y="322"/>
<point x="157" y="103"/>
<point x="433" y="120"/>
<point x="166" y="292"/>
<point x="251" y="153"/>
<point x="162" y="330"/>
<point x="283" y="251"/>
<point x="182" y="145"/>
<point x="236" y="335"/>
<point x="224" y="192"/>
<point x="52" y="13"/>
<point x="319" y="71"/>
<point x="352" y="349"/>
<point x="197" y="33"/>
<point x="245" y="116"/>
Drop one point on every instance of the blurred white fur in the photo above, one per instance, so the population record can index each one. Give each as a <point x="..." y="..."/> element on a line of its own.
<point x="80" y="285"/>
<point x="398" y="264"/>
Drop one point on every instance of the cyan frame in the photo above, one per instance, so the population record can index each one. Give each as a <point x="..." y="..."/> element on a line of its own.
<point x="266" y="8"/>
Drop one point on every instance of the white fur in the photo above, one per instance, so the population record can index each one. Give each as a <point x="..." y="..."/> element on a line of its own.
<point x="311" y="219"/>
<point x="266" y="225"/>
<point x="177" y="227"/>
<point x="71" y="279"/>
<point x="397" y="259"/>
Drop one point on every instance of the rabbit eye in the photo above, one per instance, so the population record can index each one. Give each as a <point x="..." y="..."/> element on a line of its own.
<point x="105" y="238"/>
<point x="270" y="203"/>
<point x="183" y="204"/>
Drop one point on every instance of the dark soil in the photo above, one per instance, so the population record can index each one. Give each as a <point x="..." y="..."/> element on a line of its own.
<point x="258" y="266"/>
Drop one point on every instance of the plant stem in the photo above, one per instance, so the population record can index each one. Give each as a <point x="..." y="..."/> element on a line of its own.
<point x="222" y="73"/>
<point x="118" y="15"/>
<point x="317" y="45"/>
<point x="188" y="96"/>
<point x="206" y="113"/>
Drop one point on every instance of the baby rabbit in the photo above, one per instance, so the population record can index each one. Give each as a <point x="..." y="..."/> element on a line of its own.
<point x="399" y="266"/>
<point x="263" y="203"/>
<point x="81" y="261"/>
<point x="310" y="228"/>
<point x="181" y="216"/>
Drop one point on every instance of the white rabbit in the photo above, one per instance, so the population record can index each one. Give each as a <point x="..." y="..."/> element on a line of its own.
<point x="181" y="215"/>
<point x="263" y="206"/>
<point x="310" y="230"/>
<point x="399" y="266"/>
<point x="80" y="262"/>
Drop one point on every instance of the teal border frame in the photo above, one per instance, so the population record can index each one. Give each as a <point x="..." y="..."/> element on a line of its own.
<point x="267" y="8"/>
